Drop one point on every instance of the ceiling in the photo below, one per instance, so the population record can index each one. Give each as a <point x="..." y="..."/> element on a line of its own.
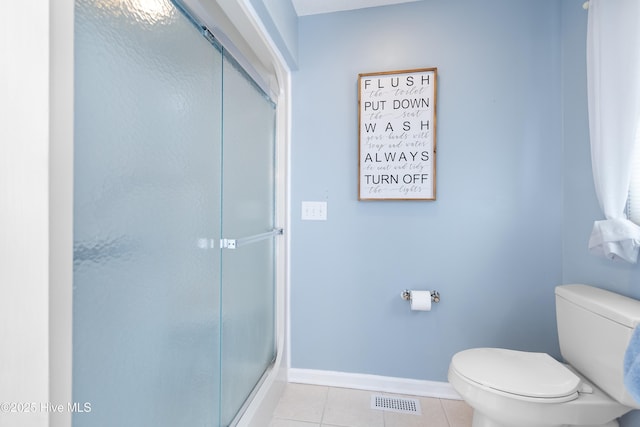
<point x="313" y="7"/>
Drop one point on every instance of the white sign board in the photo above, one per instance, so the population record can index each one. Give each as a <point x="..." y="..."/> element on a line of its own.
<point x="397" y="117"/>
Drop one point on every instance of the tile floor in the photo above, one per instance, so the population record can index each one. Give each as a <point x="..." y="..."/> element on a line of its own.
<point x="317" y="406"/>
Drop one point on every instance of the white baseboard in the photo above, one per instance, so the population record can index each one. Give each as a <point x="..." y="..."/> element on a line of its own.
<point x="438" y="389"/>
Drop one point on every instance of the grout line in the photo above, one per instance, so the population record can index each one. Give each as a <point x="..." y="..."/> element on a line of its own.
<point x="446" y="414"/>
<point x="324" y="405"/>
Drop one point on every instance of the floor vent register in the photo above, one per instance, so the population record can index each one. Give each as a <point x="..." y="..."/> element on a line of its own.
<point x="403" y="405"/>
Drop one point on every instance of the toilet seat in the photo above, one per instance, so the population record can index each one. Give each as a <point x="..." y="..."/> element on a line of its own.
<point x="524" y="375"/>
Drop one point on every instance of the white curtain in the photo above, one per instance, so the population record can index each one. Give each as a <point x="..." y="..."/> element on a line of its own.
<point x="613" y="74"/>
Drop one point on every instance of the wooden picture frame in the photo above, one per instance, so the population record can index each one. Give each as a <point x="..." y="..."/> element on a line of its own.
<point x="397" y="135"/>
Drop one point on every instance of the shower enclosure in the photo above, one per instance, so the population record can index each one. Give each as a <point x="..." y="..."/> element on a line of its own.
<point x="175" y="233"/>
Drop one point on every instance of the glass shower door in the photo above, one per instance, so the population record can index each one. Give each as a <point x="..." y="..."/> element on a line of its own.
<point x="146" y="321"/>
<point x="174" y="159"/>
<point x="248" y="222"/>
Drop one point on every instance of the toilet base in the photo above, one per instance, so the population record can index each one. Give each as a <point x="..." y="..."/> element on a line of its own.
<point x="480" y="420"/>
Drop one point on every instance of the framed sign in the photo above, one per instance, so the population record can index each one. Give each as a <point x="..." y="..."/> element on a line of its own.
<point x="397" y="140"/>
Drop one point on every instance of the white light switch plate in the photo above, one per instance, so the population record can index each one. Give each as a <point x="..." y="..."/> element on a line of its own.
<point x="314" y="211"/>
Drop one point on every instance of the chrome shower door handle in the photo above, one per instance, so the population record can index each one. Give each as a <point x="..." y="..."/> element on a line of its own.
<point x="236" y="243"/>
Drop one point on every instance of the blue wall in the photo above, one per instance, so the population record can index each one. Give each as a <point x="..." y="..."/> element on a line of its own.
<point x="516" y="200"/>
<point x="491" y="243"/>
<point x="281" y="22"/>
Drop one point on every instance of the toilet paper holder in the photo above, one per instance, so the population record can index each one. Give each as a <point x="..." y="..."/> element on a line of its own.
<point x="406" y="295"/>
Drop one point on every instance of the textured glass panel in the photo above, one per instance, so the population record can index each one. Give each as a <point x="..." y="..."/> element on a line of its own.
<point x="248" y="135"/>
<point x="248" y="344"/>
<point x="248" y="283"/>
<point x="147" y="209"/>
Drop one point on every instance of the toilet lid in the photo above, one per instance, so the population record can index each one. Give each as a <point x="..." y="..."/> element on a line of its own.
<point x="535" y="375"/>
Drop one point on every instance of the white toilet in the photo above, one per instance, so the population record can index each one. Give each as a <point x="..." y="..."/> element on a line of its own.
<point x="508" y="388"/>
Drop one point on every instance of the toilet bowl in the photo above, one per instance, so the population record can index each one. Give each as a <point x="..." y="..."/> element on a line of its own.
<point x="510" y="388"/>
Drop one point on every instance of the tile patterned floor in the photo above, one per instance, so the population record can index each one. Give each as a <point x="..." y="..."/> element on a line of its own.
<point x="317" y="406"/>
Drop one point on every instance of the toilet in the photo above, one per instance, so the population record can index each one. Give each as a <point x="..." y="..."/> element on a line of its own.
<point x="509" y="388"/>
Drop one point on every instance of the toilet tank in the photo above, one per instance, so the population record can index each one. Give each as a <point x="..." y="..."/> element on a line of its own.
<point x="594" y="329"/>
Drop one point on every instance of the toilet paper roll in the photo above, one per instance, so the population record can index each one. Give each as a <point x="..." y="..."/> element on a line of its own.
<point x="421" y="300"/>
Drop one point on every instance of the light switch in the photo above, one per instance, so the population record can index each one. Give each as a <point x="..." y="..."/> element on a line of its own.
<point x="314" y="211"/>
